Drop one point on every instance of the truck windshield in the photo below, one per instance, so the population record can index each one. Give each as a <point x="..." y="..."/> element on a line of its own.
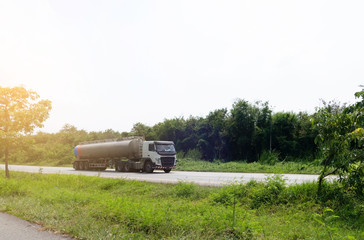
<point x="166" y="148"/>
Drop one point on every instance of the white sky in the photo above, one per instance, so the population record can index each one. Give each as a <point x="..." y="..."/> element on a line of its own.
<point x="111" y="64"/>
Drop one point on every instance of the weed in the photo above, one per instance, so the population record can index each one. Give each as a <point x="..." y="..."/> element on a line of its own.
<point x="267" y="164"/>
<point x="185" y="190"/>
<point x="269" y="157"/>
<point x="326" y="220"/>
<point x="229" y="194"/>
<point x="269" y="193"/>
<point x="10" y="187"/>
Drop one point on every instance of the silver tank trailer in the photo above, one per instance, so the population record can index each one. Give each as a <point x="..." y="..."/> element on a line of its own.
<point x="130" y="149"/>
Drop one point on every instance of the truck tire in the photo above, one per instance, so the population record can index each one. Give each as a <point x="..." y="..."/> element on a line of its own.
<point x="148" y="167"/>
<point x="81" y="165"/>
<point x="86" y="165"/>
<point x="118" y="168"/>
<point x="167" y="170"/>
<point x="76" y="165"/>
<point x="127" y="167"/>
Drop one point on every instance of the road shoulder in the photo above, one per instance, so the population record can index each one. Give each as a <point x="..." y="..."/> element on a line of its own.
<point x="15" y="228"/>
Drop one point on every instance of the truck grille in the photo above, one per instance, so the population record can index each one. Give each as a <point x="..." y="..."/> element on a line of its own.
<point x="167" y="161"/>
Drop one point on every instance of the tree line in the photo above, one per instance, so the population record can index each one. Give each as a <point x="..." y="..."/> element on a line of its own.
<point x="249" y="131"/>
<point x="245" y="132"/>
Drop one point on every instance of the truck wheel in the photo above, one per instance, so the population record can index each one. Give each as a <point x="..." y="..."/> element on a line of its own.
<point x="148" y="168"/>
<point x="76" y="165"/>
<point x="81" y="166"/>
<point x="167" y="170"/>
<point x="118" y="167"/>
<point x="127" y="167"/>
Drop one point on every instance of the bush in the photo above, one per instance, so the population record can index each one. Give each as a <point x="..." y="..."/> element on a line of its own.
<point x="186" y="190"/>
<point x="228" y="195"/>
<point x="193" y="154"/>
<point x="270" y="193"/>
<point x="269" y="157"/>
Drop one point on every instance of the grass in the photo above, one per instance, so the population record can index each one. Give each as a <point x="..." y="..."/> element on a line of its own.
<point x="96" y="208"/>
<point x="187" y="164"/>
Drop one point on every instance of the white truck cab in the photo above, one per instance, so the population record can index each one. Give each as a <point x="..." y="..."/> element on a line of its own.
<point x="162" y="154"/>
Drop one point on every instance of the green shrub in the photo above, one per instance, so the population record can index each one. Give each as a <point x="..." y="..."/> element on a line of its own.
<point x="186" y="190"/>
<point x="269" y="157"/>
<point x="193" y="154"/>
<point x="270" y="192"/>
<point x="228" y="195"/>
<point x="305" y="192"/>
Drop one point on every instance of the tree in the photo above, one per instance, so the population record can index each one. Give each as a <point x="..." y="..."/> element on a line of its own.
<point x="211" y="135"/>
<point x="305" y="136"/>
<point x="20" y="113"/>
<point x="248" y="129"/>
<point x="139" y="129"/>
<point x="341" y="141"/>
<point x="262" y="131"/>
<point x="283" y="133"/>
<point x="240" y="129"/>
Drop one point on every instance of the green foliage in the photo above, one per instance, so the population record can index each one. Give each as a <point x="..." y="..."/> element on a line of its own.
<point x="20" y="113"/>
<point x="341" y="141"/>
<point x="186" y="190"/>
<point x="9" y="187"/>
<point x="193" y="154"/>
<point x="326" y="220"/>
<point x="268" y="157"/>
<point x="190" y="164"/>
<point x="244" y="127"/>
<point x="271" y="193"/>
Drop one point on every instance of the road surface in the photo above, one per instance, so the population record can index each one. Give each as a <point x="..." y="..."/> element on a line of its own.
<point x="17" y="229"/>
<point x="200" y="178"/>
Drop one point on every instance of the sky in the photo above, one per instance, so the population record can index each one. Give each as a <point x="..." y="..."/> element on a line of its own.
<point x="110" y="64"/>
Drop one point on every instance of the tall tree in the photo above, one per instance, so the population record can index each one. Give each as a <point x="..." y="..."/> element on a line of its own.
<point x="284" y="133"/>
<point x="305" y="136"/>
<point x="241" y="129"/>
<point x="261" y="139"/>
<point x="20" y="112"/>
<point x="189" y="138"/>
<point x="211" y="134"/>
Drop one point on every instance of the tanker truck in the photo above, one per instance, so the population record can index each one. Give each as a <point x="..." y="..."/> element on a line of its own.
<point x="125" y="155"/>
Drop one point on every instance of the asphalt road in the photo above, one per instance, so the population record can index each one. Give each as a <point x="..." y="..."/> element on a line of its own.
<point x="17" y="229"/>
<point x="200" y="178"/>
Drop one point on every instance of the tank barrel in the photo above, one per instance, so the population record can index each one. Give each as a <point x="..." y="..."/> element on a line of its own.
<point x="109" y="149"/>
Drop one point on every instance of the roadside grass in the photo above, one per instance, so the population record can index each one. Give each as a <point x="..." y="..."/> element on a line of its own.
<point x="188" y="164"/>
<point x="96" y="208"/>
